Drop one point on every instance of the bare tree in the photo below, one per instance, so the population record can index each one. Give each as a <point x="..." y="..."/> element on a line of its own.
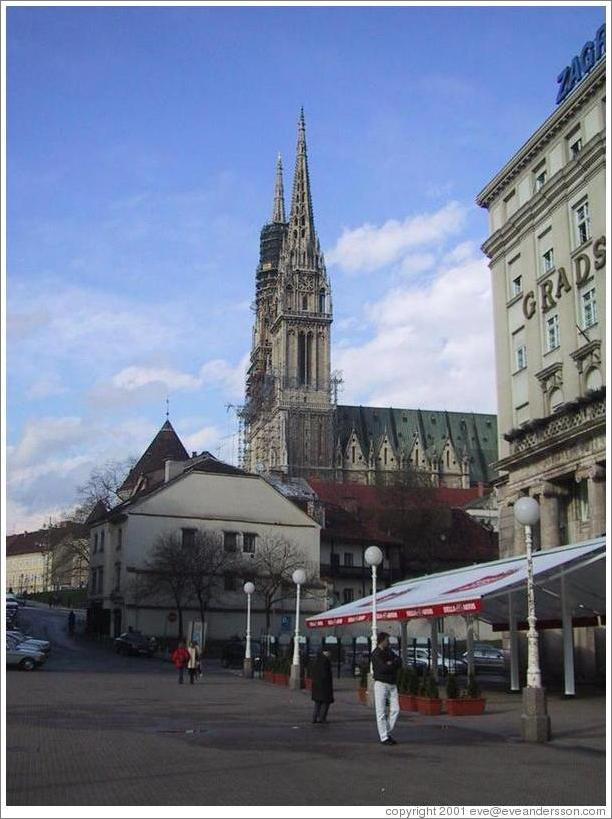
<point x="169" y="569"/>
<point x="207" y="562"/>
<point x="102" y="485"/>
<point x="271" y="568"/>
<point x="67" y="543"/>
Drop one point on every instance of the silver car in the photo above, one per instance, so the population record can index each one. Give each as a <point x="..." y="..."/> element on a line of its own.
<point x="20" y="656"/>
<point x="43" y="645"/>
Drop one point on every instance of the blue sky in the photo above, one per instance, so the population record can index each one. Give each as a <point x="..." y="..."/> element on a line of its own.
<point x="141" y="152"/>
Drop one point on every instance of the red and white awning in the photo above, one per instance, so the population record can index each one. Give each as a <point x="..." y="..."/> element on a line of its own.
<point x="484" y="589"/>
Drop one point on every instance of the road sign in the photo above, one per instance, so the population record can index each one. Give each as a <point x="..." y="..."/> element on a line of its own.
<point x="285" y="623"/>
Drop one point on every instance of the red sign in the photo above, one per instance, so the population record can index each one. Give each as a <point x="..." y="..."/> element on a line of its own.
<point x="172" y="616"/>
<point x="437" y="610"/>
<point x="482" y="581"/>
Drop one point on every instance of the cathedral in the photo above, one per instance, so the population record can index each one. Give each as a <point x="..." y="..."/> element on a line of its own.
<point x="293" y="425"/>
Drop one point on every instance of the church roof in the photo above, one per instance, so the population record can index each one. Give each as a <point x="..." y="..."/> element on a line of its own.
<point x="165" y="446"/>
<point x="474" y="434"/>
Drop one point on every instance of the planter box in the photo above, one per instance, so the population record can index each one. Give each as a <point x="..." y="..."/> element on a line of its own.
<point x="465" y="707"/>
<point x="281" y="679"/>
<point x="308" y="683"/>
<point x="407" y="702"/>
<point x="429" y="707"/>
<point x="268" y="676"/>
<point x="362" y="695"/>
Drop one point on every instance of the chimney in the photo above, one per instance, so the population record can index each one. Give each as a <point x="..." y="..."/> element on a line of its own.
<point x="172" y="469"/>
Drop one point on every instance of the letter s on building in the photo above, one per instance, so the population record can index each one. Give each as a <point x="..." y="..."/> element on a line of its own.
<point x="529" y="304"/>
<point x="599" y="251"/>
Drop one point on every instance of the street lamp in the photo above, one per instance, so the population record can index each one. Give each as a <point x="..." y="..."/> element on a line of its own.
<point x="373" y="557"/>
<point x="535" y="720"/>
<point x="298" y="577"/>
<point x="247" y="668"/>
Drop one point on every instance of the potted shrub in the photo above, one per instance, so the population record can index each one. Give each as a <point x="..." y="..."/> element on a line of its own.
<point x="406" y="689"/>
<point x="268" y="669"/>
<point x="467" y="704"/>
<point x="362" y="691"/>
<point x="281" y="675"/>
<point x="428" y="701"/>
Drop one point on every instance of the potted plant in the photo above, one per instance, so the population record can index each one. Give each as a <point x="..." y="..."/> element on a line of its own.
<point x="362" y="691"/>
<point x="281" y="674"/>
<point x="428" y="701"/>
<point x="405" y="685"/>
<point x="268" y="669"/>
<point x="467" y="704"/>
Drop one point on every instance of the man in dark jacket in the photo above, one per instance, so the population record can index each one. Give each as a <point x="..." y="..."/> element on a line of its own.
<point x="385" y="665"/>
<point x="322" y="686"/>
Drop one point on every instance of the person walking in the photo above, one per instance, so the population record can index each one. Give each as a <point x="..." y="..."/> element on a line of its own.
<point x="193" y="664"/>
<point x="71" y="622"/>
<point x="385" y="665"/>
<point x="180" y="658"/>
<point x="322" y="686"/>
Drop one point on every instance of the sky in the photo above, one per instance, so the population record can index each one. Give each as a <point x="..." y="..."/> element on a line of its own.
<point x="141" y="151"/>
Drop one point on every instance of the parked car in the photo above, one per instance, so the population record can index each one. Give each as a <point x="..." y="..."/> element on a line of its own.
<point x="232" y="653"/>
<point x="135" y="642"/>
<point x="445" y="664"/>
<point x="44" y="645"/>
<point x="18" y="655"/>
<point x="487" y="658"/>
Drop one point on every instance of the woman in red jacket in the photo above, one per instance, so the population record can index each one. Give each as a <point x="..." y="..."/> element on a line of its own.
<point x="180" y="658"/>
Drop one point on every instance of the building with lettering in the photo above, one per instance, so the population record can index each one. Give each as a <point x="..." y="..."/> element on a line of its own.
<point x="547" y="251"/>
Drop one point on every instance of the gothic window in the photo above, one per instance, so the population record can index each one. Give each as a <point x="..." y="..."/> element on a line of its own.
<point x="385" y="456"/>
<point x="304" y="302"/>
<point x="352" y="454"/>
<point x="321" y="301"/>
<point x="301" y="358"/>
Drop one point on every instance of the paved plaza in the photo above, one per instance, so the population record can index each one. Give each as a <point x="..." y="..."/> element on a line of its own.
<point x="93" y="728"/>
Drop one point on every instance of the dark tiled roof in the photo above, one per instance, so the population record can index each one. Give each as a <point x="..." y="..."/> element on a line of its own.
<point x="470" y="432"/>
<point x="214" y="466"/>
<point x="99" y="510"/>
<point x="355" y="495"/>
<point x="42" y="540"/>
<point x="165" y="446"/>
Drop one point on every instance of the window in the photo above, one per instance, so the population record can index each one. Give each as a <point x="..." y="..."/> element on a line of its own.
<point x="94" y="581"/>
<point x="539" y="179"/>
<point x="334" y="560"/>
<point x="230" y="541"/>
<point x="248" y="543"/>
<point x="188" y="538"/>
<point x="117" y="576"/>
<point x="229" y="582"/>
<point x="556" y="399"/>
<point x="100" y="580"/>
<point x="321" y="301"/>
<point x="548" y="260"/>
<point x="102" y="534"/>
<point x="347" y="595"/>
<point x="304" y="302"/>
<point x="520" y="355"/>
<point x="589" y="309"/>
<point x="582" y="221"/>
<point x="353" y="454"/>
<point x="348" y="558"/>
<point x="517" y="286"/>
<point x="95" y="543"/>
<point x="552" y="333"/>
<point x="582" y="497"/>
<point x="510" y="203"/>
<point x="119" y="538"/>
<point x="575" y="146"/>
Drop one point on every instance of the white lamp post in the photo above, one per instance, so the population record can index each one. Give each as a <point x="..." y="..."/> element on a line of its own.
<point x="373" y="557"/>
<point x="247" y="668"/>
<point x="535" y="720"/>
<point x="298" y="577"/>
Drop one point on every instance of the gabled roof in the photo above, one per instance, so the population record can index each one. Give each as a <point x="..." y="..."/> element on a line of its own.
<point x="165" y="446"/>
<point x="43" y="540"/>
<point x="474" y="434"/>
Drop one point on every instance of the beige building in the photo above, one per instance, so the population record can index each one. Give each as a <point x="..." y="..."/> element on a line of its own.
<point x="547" y="250"/>
<point x="47" y="559"/>
<point x="243" y="512"/>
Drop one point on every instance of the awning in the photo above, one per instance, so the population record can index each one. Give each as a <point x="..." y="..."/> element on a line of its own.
<point x="485" y="590"/>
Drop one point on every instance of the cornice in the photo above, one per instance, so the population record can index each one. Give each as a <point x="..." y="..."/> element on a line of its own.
<point x="545" y="133"/>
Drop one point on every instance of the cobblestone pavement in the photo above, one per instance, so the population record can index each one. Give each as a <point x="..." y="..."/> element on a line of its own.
<point x="92" y="728"/>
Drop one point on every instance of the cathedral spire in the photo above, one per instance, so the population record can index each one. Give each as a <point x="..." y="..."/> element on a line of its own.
<point x="278" y="211"/>
<point x="302" y="237"/>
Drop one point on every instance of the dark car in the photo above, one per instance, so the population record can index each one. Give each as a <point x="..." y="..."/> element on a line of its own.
<point x="232" y="653"/>
<point x="134" y="642"/>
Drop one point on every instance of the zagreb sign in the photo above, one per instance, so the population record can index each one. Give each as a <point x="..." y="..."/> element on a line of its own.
<point x="582" y="64"/>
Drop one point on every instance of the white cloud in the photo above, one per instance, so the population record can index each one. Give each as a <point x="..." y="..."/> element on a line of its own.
<point x="45" y="387"/>
<point x="206" y="437"/>
<point x="416" y="263"/>
<point x="372" y="247"/>
<point x="431" y="345"/>
<point x="133" y="378"/>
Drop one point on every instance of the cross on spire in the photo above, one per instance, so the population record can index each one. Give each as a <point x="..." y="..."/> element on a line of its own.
<point x="167" y="407"/>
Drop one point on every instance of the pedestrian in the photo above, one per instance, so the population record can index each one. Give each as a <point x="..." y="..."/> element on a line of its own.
<point x="385" y="665"/>
<point x="71" y="622"/>
<point x="193" y="664"/>
<point x="322" y="686"/>
<point x="180" y="658"/>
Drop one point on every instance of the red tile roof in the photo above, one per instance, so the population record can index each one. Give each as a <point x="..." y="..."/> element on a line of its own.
<point x="42" y="540"/>
<point x="351" y="495"/>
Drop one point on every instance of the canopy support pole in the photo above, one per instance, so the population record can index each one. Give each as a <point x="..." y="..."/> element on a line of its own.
<point x="434" y="647"/>
<point x="470" y="643"/>
<point x="404" y="641"/>
<point x="568" y="641"/>
<point x="515" y="684"/>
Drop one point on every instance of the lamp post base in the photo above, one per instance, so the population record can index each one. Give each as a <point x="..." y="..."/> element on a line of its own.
<point x="294" y="677"/>
<point x="247" y="668"/>
<point x="535" y="722"/>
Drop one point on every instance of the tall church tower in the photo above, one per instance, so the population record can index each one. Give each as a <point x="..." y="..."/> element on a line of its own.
<point x="288" y="412"/>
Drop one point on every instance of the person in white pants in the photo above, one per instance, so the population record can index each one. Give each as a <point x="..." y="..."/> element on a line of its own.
<point x="385" y="665"/>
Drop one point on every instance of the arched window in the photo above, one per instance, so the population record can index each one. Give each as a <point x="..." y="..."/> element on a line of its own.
<point x="304" y="302"/>
<point x="322" y="301"/>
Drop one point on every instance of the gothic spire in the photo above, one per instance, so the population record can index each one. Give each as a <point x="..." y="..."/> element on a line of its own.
<point x="302" y="238"/>
<point x="278" y="211"/>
